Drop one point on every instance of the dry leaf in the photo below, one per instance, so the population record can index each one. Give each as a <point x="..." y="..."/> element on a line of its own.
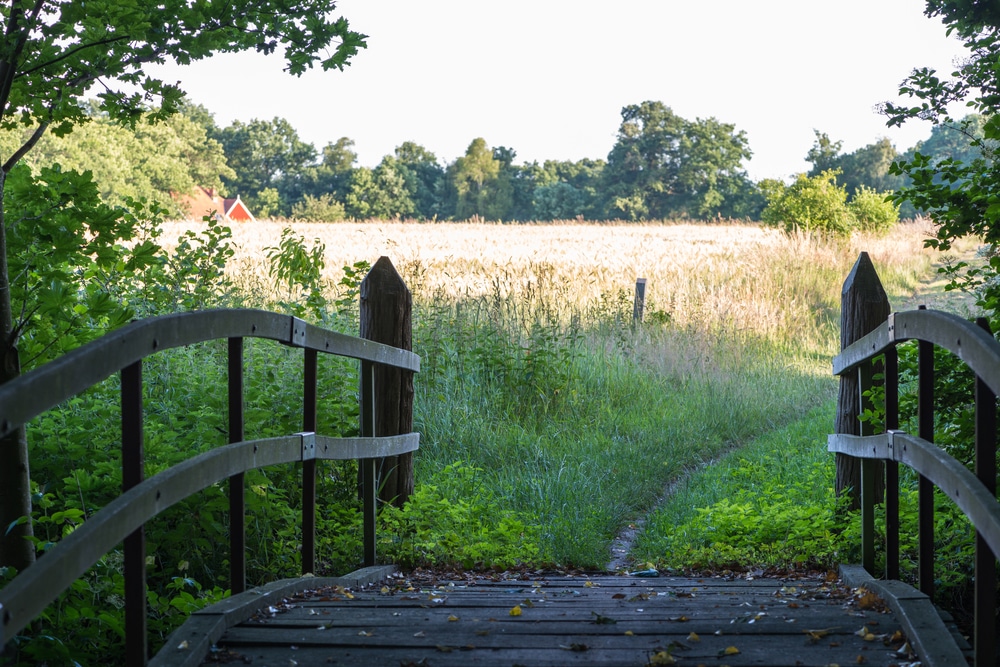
<point x="662" y="658"/>
<point x="730" y="650"/>
<point x="452" y="618"/>
<point x="515" y="610"/>
<point x="629" y="633"/>
<point x="693" y="637"/>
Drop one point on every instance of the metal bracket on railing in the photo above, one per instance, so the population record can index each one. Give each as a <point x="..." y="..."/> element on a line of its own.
<point x="894" y="453"/>
<point x="308" y="445"/>
<point x="891" y="324"/>
<point x="298" y="333"/>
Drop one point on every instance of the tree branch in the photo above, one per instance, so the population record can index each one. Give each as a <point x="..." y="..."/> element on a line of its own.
<point x="27" y="146"/>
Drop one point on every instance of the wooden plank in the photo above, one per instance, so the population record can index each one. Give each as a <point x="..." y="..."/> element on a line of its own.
<point x="346" y="449"/>
<point x="960" y="336"/>
<point x="57" y="381"/>
<point x="564" y="621"/>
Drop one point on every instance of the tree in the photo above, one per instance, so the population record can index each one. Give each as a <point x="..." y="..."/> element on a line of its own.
<point x="329" y="179"/>
<point x="824" y="154"/>
<point x="423" y="176"/>
<point x="960" y="194"/>
<point x="53" y="51"/>
<point x="379" y="193"/>
<point x="264" y="154"/>
<point x="476" y="179"/>
<point x="152" y="161"/>
<point x="664" y="166"/>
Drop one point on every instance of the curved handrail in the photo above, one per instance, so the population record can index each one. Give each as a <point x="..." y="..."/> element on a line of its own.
<point x="963" y="338"/>
<point x="43" y="388"/>
<point x="942" y="469"/>
<point x="973" y="494"/>
<point x="29" y="593"/>
<point x="123" y="350"/>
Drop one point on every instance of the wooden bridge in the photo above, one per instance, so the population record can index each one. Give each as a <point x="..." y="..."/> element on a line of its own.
<point x="376" y="616"/>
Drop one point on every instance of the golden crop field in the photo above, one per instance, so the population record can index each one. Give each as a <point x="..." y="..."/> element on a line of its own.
<point x="742" y="276"/>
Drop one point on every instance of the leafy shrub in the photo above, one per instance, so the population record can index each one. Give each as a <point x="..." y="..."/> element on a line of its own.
<point x="810" y="204"/>
<point x="324" y="208"/>
<point x="457" y="523"/>
<point x="873" y="211"/>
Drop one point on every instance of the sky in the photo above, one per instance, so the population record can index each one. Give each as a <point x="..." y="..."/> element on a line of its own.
<point x="549" y="78"/>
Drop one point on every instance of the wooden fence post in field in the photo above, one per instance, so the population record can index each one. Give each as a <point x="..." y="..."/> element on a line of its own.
<point x="640" y="301"/>
<point x="864" y="306"/>
<point x="386" y="306"/>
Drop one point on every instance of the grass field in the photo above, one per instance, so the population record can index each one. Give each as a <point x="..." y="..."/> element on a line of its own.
<point x="548" y="422"/>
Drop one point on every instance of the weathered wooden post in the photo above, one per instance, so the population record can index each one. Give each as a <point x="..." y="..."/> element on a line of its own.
<point x="640" y="301"/>
<point x="864" y="306"/>
<point x="386" y="306"/>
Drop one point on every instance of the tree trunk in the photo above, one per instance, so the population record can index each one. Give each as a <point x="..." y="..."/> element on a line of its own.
<point x="386" y="306"/>
<point x="864" y="306"/>
<point x="16" y="550"/>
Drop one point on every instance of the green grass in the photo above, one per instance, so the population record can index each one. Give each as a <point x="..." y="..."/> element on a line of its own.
<point x="578" y="432"/>
<point x="768" y="504"/>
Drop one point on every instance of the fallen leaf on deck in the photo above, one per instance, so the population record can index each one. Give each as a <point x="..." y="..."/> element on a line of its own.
<point x="602" y="620"/>
<point x="662" y="658"/>
<point x="729" y="650"/>
<point x="452" y="618"/>
<point x="693" y="637"/>
<point x="516" y="610"/>
<point x="575" y="647"/>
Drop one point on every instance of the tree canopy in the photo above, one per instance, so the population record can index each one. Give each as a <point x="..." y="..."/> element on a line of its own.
<point x="52" y="54"/>
<point x="960" y="192"/>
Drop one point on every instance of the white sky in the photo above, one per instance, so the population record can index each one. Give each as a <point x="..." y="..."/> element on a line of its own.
<point x="548" y="78"/>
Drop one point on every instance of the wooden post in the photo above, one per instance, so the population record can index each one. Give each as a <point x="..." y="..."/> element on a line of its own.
<point x="864" y="306"/>
<point x="386" y="307"/>
<point x="640" y="301"/>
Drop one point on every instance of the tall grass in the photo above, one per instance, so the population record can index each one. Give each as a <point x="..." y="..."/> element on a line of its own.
<point x="535" y="382"/>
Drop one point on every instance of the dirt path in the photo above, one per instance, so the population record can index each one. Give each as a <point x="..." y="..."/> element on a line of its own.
<point x="930" y="292"/>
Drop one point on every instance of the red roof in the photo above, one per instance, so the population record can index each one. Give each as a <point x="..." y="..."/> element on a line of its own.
<point x="205" y="201"/>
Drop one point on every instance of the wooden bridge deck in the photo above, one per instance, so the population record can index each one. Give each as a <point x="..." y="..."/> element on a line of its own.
<point x="563" y="620"/>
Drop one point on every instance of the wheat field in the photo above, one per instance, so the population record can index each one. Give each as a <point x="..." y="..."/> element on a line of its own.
<point x="736" y="276"/>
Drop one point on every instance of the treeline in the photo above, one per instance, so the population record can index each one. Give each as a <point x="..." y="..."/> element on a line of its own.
<point x="662" y="166"/>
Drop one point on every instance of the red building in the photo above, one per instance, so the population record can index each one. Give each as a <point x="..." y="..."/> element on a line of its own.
<point x="205" y="201"/>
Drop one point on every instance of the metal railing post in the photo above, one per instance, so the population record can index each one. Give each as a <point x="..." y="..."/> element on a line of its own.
<point x="891" y="467"/>
<point x="925" y="488"/>
<point x="368" y="481"/>
<point x="134" y="547"/>
<point x="237" y="502"/>
<point x="986" y="561"/>
<point x="309" y="420"/>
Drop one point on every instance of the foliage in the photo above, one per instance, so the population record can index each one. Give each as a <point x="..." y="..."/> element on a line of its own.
<point x="458" y="523"/>
<point x="873" y="211"/>
<point x="867" y="167"/>
<point x="810" y="204"/>
<point x="960" y="195"/>
<point x="300" y="271"/>
<point x="151" y="161"/>
<point x="476" y="179"/>
<point x="664" y="166"/>
<point x="380" y="193"/>
<point x="263" y="154"/>
<point x="72" y="259"/>
<point x="323" y="208"/>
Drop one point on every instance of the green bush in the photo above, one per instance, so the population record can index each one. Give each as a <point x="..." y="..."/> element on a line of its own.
<point x="318" y="209"/>
<point x="873" y="211"/>
<point x="810" y="204"/>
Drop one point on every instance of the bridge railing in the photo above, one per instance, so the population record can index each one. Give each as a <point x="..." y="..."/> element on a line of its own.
<point x="121" y="521"/>
<point x="880" y="454"/>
